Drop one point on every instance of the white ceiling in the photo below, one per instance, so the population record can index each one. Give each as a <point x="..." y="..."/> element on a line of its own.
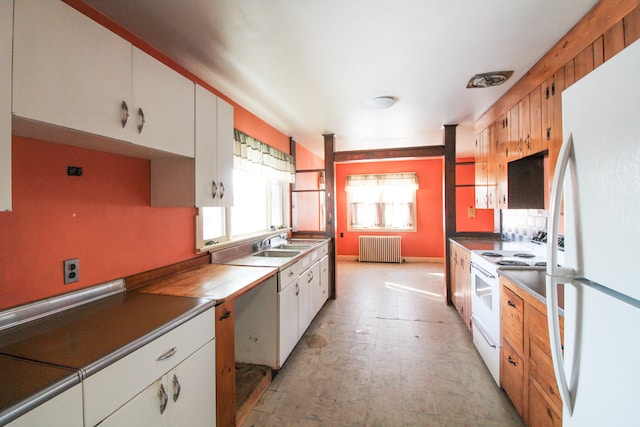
<point x="307" y="67"/>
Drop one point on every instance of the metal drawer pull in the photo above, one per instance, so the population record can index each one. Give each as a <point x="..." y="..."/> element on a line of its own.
<point x="513" y="362"/>
<point x="176" y="388"/>
<point x="221" y="190"/>
<point x="297" y="290"/>
<point x="125" y="113"/>
<point x="168" y="354"/>
<point x="290" y="273"/>
<point x="162" y="394"/>
<point x="310" y="277"/>
<point x="142" y="121"/>
<point x="510" y="304"/>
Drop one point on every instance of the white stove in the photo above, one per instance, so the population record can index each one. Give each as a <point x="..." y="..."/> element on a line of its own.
<point x="485" y="297"/>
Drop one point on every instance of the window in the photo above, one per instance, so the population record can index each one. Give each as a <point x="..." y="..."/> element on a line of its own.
<point x="382" y="202"/>
<point x="261" y="178"/>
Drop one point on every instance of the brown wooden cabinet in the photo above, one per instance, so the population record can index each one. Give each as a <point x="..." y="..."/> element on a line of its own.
<point x="526" y="368"/>
<point x="460" y="269"/>
<point x="225" y="365"/>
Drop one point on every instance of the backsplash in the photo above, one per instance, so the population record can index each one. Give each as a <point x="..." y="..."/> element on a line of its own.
<point x="521" y="225"/>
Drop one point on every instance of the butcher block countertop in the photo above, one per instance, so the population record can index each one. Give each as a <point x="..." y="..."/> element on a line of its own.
<point x="217" y="282"/>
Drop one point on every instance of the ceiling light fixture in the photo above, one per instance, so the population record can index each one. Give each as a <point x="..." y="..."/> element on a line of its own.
<point x="493" y="78"/>
<point x="381" y="102"/>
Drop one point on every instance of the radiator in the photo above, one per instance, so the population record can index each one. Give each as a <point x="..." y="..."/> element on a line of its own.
<point x="380" y="249"/>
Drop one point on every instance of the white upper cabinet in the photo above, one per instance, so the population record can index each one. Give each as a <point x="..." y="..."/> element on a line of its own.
<point x="6" y="34"/>
<point x="214" y="150"/>
<point x="163" y="106"/>
<point x="68" y="70"/>
<point x="225" y="152"/>
<point x="72" y="73"/>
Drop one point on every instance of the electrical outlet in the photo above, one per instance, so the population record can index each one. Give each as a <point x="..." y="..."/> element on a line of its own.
<point x="71" y="270"/>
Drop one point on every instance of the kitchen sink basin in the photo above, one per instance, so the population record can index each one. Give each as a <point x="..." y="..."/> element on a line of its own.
<point x="277" y="253"/>
<point x="295" y="247"/>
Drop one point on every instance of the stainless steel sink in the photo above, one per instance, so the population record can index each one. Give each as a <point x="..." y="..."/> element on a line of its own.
<point x="277" y="253"/>
<point x="295" y="247"/>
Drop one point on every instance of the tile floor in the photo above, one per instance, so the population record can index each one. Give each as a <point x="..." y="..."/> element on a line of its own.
<point x="387" y="352"/>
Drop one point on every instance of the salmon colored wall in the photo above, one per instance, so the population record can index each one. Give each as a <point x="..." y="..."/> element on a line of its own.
<point x="428" y="241"/>
<point x="306" y="160"/>
<point x="103" y="218"/>
<point x="465" y="199"/>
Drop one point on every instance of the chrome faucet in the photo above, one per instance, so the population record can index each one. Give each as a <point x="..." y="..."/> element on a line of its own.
<point x="266" y="243"/>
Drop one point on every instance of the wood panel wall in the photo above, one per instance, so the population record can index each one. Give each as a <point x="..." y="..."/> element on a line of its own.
<point x="604" y="31"/>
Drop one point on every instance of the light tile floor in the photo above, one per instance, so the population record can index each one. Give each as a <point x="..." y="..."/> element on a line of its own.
<point x="386" y="352"/>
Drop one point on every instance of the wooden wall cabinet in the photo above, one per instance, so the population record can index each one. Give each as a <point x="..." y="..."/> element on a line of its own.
<point x="526" y="368"/>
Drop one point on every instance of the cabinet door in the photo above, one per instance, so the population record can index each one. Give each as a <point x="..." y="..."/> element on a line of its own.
<point x="206" y="180"/>
<point x="64" y="410"/>
<point x="192" y="390"/>
<point x="537" y="143"/>
<point x="309" y="281"/>
<point x="144" y="410"/>
<point x="69" y="71"/>
<point x="163" y="106"/>
<point x="6" y="36"/>
<point x="541" y="412"/>
<point x="524" y="127"/>
<point x="512" y="376"/>
<point x="225" y="365"/>
<point x="225" y="152"/>
<point x="322" y="289"/>
<point x="288" y="321"/>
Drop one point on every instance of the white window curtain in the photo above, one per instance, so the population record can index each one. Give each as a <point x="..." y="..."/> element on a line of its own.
<point x="253" y="156"/>
<point x="385" y="201"/>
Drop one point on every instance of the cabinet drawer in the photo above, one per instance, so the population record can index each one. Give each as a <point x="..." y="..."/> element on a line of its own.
<point x="541" y="412"/>
<point x="116" y="384"/>
<point x="538" y="328"/>
<point x="541" y="368"/>
<point x="289" y="275"/>
<point x="512" y="319"/>
<point x="512" y="376"/>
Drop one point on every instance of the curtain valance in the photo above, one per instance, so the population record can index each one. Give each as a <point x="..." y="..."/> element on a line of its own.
<point x="255" y="156"/>
<point x="407" y="180"/>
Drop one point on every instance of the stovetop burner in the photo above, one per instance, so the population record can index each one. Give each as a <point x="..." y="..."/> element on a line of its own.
<point x="511" y="262"/>
<point x="524" y="255"/>
<point x="492" y="254"/>
<point x="540" y="264"/>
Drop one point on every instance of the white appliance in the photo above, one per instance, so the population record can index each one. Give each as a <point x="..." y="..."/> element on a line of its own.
<point x="599" y="170"/>
<point x="485" y="298"/>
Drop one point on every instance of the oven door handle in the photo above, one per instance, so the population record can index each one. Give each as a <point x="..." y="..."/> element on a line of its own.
<point x="482" y="270"/>
<point x="483" y="332"/>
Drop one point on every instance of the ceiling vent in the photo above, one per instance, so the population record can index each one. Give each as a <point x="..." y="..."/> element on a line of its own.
<point x="494" y="78"/>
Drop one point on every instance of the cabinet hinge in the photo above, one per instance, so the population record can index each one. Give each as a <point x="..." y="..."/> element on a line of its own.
<point x="547" y="92"/>
<point x="548" y="134"/>
<point x="553" y="89"/>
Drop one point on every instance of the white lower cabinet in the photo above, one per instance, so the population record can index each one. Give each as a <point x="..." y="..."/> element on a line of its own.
<point x="183" y="396"/>
<point x="64" y="410"/>
<point x="321" y="291"/>
<point x="129" y="391"/>
<point x="308" y="282"/>
<point x="287" y="321"/>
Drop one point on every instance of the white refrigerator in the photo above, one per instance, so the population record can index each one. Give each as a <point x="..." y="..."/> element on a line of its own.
<point x="598" y="170"/>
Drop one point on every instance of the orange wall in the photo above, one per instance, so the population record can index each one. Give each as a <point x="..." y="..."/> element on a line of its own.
<point x="465" y="199"/>
<point x="103" y="218"/>
<point x="428" y="240"/>
<point x="306" y="160"/>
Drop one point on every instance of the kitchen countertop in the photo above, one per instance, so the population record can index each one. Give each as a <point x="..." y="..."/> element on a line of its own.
<point x="27" y="384"/>
<point x="216" y="282"/>
<point x="532" y="280"/>
<point x="304" y="247"/>
<point x="80" y="341"/>
<point x="473" y="244"/>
